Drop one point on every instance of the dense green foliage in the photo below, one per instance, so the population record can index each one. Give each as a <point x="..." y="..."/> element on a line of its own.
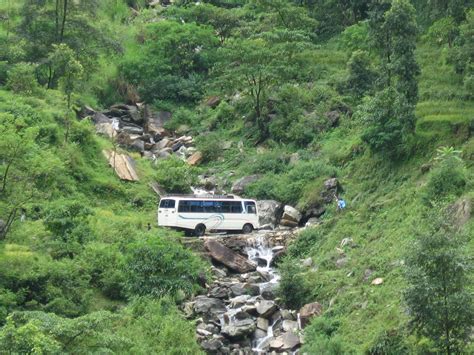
<point x="376" y="93"/>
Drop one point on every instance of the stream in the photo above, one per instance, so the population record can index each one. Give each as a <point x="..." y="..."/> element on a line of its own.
<point x="239" y="314"/>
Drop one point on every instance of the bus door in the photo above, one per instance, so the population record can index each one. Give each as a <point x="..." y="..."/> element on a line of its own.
<point x="167" y="212"/>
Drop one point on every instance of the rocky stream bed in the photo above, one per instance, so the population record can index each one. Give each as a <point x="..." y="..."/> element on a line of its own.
<point x="240" y="312"/>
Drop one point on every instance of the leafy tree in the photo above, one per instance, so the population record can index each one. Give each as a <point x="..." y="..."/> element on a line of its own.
<point x="224" y="21"/>
<point x="25" y="168"/>
<point x="22" y="79"/>
<point x="443" y="31"/>
<point x="393" y="30"/>
<point x="361" y="78"/>
<point x="172" y="62"/>
<point x="70" y="71"/>
<point x="440" y="304"/>
<point x="45" y="23"/>
<point x="62" y="335"/>
<point x="254" y="66"/>
<point x="390" y="121"/>
<point x="26" y="339"/>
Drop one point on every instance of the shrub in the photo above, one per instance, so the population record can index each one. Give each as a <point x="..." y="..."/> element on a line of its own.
<point x="67" y="221"/>
<point x="210" y="146"/>
<point x="447" y="179"/>
<point x="42" y="283"/>
<point x="389" y="343"/>
<point x="175" y="175"/>
<point x="26" y="339"/>
<point x="157" y="326"/>
<point x="322" y="338"/>
<point x="293" y="289"/>
<point x="104" y="264"/>
<point x="22" y="79"/>
<point x="159" y="266"/>
<point x="307" y="240"/>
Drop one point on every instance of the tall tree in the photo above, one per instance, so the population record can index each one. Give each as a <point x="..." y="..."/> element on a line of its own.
<point x="254" y="66"/>
<point x="439" y="302"/>
<point x="50" y="22"/>
<point x="393" y="31"/>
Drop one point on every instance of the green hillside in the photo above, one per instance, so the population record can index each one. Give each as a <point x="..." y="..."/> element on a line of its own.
<point x="378" y="94"/>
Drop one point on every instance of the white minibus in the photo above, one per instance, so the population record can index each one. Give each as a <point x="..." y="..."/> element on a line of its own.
<point x="199" y="214"/>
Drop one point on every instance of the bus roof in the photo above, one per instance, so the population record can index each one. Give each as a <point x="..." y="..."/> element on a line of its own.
<point x="204" y="197"/>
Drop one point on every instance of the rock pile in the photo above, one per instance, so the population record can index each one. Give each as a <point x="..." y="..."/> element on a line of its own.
<point x="239" y="313"/>
<point x="137" y="128"/>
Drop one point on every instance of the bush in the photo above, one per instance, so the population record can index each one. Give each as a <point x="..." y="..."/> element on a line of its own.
<point x="157" y="266"/>
<point x="210" y="146"/>
<point x="322" y="339"/>
<point x="293" y="290"/>
<point x="157" y="326"/>
<point x="389" y="343"/>
<point x="35" y="282"/>
<point x="447" y="179"/>
<point x="22" y="79"/>
<point x="175" y="175"/>
<point x="307" y="240"/>
<point x="104" y="263"/>
<point x="67" y="221"/>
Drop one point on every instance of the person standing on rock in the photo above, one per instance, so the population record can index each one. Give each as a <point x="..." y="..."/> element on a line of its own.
<point x="340" y="203"/>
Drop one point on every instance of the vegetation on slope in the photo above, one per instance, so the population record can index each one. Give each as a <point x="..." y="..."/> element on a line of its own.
<point x="81" y="273"/>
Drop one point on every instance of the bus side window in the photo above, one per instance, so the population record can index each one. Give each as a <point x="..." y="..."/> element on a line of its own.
<point x="236" y="207"/>
<point x="250" y="207"/>
<point x="167" y="203"/>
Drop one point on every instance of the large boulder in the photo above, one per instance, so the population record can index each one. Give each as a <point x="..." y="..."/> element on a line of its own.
<point x="240" y="185"/>
<point x="228" y="257"/>
<point x="291" y="214"/>
<point x="266" y="308"/>
<point x="308" y="311"/>
<point x="155" y="123"/>
<point x="291" y="217"/>
<point x="239" y="328"/>
<point x="269" y="212"/>
<point x="209" y="306"/>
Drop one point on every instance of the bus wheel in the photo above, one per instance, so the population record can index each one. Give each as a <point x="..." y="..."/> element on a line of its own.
<point x="247" y="229"/>
<point x="199" y="230"/>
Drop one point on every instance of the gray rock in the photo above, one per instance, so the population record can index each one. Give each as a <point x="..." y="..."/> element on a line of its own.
<point x="291" y="214"/>
<point x="137" y="145"/>
<point x="99" y="117"/>
<point x="244" y="289"/>
<point x="212" y="345"/>
<point x="266" y="308"/>
<point x="290" y="325"/>
<point x="207" y="305"/>
<point x="269" y="212"/>
<point x="132" y="130"/>
<point x="331" y="184"/>
<point x="290" y="341"/>
<point x="229" y="258"/>
<point x="308" y="262"/>
<point x="240" y="185"/>
<point x="219" y="292"/>
<point x="287" y="315"/>
<point x="308" y="311"/>
<point x="239" y="329"/>
<point x="259" y="333"/>
<point x="262" y="323"/>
